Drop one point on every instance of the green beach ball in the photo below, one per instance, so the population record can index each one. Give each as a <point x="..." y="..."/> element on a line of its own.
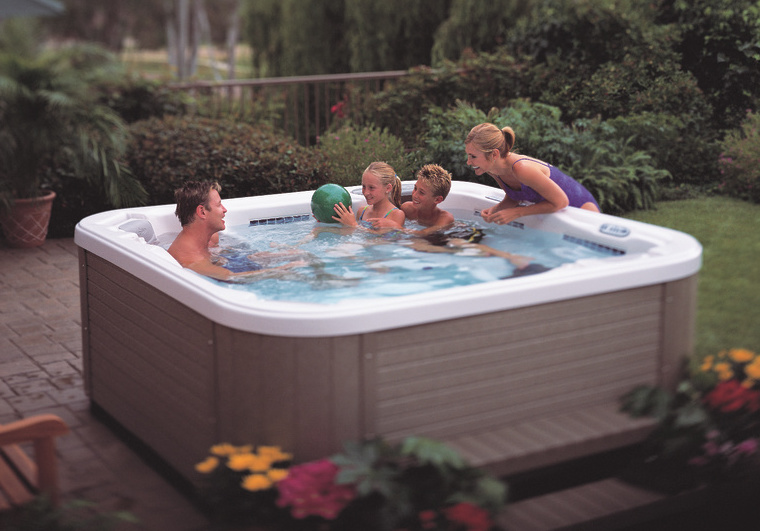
<point x="324" y="199"/>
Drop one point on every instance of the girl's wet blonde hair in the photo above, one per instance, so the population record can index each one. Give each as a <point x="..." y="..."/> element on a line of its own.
<point x="387" y="175"/>
<point x="487" y="138"/>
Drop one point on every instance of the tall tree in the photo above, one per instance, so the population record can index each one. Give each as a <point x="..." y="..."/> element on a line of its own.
<point x="313" y="37"/>
<point x="108" y="23"/>
<point x="476" y="25"/>
<point x="392" y="35"/>
<point x="262" y="31"/>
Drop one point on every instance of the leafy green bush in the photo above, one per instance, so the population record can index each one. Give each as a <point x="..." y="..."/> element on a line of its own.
<point x="245" y="160"/>
<point x="676" y="143"/>
<point x="596" y="58"/>
<point x="740" y="159"/>
<point x="55" y="134"/>
<point x="619" y="176"/>
<point x="718" y="44"/>
<point x="349" y="150"/>
<point x="135" y="98"/>
<point x="486" y="81"/>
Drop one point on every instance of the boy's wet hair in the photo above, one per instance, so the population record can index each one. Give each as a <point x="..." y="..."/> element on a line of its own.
<point x="437" y="178"/>
<point x="468" y="234"/>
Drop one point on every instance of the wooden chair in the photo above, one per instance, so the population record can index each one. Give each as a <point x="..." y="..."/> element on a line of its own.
<point x="23" y="478"/>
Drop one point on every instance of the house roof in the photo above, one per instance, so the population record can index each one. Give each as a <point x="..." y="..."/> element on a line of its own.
<point x="29" y="8"/>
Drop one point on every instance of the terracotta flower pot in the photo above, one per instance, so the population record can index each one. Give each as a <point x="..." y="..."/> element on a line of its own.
<point x="26" y="225"/>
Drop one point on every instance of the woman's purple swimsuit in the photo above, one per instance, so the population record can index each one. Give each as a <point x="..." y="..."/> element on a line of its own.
<point x="575" y="191"/>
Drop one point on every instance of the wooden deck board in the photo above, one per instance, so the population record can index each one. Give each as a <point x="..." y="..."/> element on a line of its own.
<point x="578" y="506"/>
<point x="546" y="441"/>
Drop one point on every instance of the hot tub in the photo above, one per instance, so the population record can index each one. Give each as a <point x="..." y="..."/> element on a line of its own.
<point x="184" y="363"/>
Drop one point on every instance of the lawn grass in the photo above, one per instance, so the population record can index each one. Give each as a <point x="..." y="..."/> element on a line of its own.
<point x="728" y="305"/>
<point x="155" y="63"/>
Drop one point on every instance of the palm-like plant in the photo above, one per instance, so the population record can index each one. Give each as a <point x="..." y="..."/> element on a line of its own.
<point x="50" y="117"/>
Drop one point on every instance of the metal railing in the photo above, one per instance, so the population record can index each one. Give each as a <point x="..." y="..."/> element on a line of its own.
<point x="302" y="106"/>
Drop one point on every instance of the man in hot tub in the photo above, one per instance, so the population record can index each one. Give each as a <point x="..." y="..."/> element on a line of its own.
<point x="201" y="214"/>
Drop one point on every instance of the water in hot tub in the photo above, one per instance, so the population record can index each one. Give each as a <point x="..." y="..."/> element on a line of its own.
<point x="340" y="264"/>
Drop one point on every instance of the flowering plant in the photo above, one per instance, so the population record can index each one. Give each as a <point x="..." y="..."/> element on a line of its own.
<point x="240" y="482"/>
<point x="709" y="429"/>
<point x="415" y="485"/>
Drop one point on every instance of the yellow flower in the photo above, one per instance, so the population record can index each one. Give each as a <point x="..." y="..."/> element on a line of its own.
<point x="258" y="463"/>
<point x="204" y="467"/>
<point x="254" y="482"/>
<point x="223" y="449"/>
<point x="707" y="363"/>
<point x="277" y="474"/>
<point x="740" y="355"/>
<point x="753" y="369"/>
<point x="724" y="371"/>
<point x="274" y="453"/>
<point x="241" y="462"/>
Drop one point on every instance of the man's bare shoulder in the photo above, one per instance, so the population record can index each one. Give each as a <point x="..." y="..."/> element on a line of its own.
<point x="186" y="252"/>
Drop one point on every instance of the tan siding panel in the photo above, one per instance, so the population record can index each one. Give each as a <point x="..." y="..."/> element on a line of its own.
<point x="582" y="352"/>
<point x="179" y="438"/>
<point x="302" y="392"/>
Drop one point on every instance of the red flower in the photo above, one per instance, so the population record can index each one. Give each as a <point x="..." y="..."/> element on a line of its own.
<point x="731" y="396"/>
<point x="427" y="519"/>
<point x="337" y="109"/>
<point x="473" y="517"/>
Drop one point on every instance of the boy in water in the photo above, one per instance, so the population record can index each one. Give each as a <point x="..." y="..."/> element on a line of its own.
<point x="440" y="236"/>
<point x="432" y="186"/>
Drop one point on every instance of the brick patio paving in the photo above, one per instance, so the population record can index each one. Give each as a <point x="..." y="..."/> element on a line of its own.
<point x="41" y="372"/>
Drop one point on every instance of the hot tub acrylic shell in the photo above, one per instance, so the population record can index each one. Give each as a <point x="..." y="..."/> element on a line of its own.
<point x="184" y="363"/>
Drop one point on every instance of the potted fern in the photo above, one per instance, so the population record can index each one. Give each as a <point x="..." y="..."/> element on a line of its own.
<point x="50" y="118"/>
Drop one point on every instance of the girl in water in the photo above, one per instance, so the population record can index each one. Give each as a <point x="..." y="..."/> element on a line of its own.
<point x="523" y="179"/>
<point x="381" y="188"/>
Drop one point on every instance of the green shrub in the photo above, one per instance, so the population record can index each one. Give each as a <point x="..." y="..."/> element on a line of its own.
<point x="646" y="82"/>
<point x="677" y="144"/>
<point x="599" y="58"/>
<point x="245" y="160"/>
<point x="486" y="80"/>
<point x="619" y="176"/>
<point x="718" y="44"/>
<point x="400" y="107"/>
<point x="349" y="150"/>
<point x="740" y="160"/>
<point x="135" y="98"/>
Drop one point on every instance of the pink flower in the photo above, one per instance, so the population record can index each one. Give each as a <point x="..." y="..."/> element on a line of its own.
<point x="310" y="489"/>
<point x="747" y="447"/>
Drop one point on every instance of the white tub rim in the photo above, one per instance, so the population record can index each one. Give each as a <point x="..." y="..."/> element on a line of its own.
<point x="669" y="255"/>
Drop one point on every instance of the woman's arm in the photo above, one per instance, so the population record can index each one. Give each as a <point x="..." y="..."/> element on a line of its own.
<point x="531" y="174"/>
<point x="504" y="204"/>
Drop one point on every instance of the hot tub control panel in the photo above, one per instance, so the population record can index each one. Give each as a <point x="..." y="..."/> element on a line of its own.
<point x="614" y="230"/>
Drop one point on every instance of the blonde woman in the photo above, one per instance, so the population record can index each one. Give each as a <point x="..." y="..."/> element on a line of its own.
<point x="524" y="179"/>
